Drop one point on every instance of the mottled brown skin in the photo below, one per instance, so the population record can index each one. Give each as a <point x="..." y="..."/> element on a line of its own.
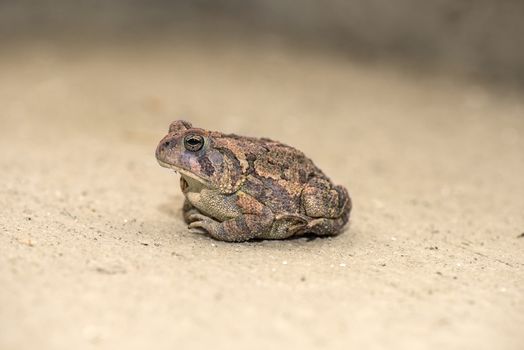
<point x="238" y="188"/>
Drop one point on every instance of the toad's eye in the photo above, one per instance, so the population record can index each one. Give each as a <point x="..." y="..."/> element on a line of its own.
<point x="193" y="142"/>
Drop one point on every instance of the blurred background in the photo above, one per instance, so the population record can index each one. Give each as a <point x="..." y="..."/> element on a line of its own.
<point x="479" y="38"/>
<point x="415" y="106"/>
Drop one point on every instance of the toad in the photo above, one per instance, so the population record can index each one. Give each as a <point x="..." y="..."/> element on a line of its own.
<point x="238" y="188"/>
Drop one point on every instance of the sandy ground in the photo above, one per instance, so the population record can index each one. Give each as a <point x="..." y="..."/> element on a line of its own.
<point x="94" y="253"/>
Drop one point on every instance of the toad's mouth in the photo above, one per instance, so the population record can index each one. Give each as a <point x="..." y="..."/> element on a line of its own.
<point x="186" y="177"/>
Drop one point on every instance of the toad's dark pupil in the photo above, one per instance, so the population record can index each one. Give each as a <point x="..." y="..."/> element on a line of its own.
<point x="194" y="142"/>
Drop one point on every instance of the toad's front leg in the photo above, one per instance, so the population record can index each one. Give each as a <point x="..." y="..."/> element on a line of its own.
<point x="187" y="210"/>
<point x="241" y="228"/>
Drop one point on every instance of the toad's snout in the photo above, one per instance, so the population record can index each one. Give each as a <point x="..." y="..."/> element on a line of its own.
<point x="163" y="149"/>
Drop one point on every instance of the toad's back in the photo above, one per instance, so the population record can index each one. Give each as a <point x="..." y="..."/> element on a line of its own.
<point x="276" y="174"/>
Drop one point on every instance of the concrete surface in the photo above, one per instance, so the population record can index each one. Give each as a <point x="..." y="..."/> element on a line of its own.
<point x="94" y="253"/>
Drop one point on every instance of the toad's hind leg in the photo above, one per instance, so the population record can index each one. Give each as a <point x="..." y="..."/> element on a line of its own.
<point x="239" y="229"/>
<point x="328" y="206"/>
<point x="326" y="227"/>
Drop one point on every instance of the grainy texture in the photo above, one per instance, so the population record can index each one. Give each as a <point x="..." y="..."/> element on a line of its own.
<point x="94" y="252"/>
